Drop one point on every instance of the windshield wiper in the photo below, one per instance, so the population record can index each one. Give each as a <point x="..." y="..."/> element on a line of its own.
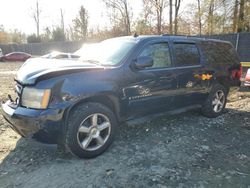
<point x="92" y="61"/>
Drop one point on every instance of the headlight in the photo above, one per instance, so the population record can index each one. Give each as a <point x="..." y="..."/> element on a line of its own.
<point x="35" y="98"/>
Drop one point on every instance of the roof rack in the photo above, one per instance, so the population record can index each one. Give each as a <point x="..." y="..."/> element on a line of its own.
<point x="165" y="34"/>
<point x="187" y="36"/>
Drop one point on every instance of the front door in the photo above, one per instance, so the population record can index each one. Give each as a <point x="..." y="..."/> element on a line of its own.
<point x="151" y="90"/>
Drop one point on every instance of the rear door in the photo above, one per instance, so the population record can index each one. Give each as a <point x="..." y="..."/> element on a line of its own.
<point x="192" y="81"/>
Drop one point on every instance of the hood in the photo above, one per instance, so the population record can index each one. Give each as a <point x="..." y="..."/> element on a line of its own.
<point x="35" y="68"/>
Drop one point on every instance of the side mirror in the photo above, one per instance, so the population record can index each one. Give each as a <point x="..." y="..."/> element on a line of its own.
<point x="144" y="62"/>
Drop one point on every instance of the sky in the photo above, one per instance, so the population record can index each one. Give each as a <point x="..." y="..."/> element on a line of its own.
<point x="17" y="13"/>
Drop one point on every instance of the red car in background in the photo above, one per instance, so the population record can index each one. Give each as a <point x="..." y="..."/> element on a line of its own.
<point x="15" y="56"/>
<point x="247" y="78"/>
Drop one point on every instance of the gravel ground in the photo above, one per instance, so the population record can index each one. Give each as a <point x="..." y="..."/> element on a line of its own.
<point x="185" y="150"/>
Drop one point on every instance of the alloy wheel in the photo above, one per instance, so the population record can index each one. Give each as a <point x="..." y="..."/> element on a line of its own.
<point x="218" y="101"/>
<point x="94" y="132"/>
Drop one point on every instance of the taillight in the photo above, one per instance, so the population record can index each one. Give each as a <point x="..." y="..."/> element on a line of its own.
<point x="241" y="70"/>
<point x="237" y="73"/>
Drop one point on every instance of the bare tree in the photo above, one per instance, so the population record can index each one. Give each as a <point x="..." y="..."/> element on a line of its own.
<point x="235" y="15"/>
<point x="123" y="8"/>
<point x="177" y="7"/>
<point x="170" y="17"/>
<point x="157" y="7"/>
<point x="36" y="16"/>
<point x="215" y="15"/>
<point x="80" y="25"/>
<point x="210" y="19"/>
<point x="62" y="20"/>
<point x="199" y="15"/>
<point x="225" y="15"/>
<point x="241" y="23"/>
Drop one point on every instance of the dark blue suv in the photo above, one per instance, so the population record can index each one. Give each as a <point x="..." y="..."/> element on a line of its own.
<point x="79" y="104"/>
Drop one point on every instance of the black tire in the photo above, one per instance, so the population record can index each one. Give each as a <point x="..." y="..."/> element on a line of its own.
<point x="81" y="117"/>
<point x="208" y="108"/>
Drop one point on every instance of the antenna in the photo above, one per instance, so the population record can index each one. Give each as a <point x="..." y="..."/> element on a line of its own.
<point x="135" y="35"/>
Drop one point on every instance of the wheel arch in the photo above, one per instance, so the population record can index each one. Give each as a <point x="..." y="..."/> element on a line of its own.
<point x="109" y="101"/>
<point x="222" y="80"/>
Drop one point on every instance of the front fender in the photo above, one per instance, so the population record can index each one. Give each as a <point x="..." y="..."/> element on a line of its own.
<point x="70" y="90"/>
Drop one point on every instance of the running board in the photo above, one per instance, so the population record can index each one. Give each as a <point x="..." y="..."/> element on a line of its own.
<point x="153" y="116"/>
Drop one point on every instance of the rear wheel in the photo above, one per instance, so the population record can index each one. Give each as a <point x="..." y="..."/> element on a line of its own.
<point x="91" y="130"/>
<point x="216" y="101"/>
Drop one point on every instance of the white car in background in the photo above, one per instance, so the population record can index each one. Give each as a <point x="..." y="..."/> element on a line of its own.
<point x="60" y="55"/>
<point x="247" y="78"/>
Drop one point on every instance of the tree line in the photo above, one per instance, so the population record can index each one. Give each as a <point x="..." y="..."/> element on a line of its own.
<point x="200" y="17"/>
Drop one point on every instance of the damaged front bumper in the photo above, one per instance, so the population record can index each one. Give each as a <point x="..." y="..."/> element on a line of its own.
<point x="27" y="122"/>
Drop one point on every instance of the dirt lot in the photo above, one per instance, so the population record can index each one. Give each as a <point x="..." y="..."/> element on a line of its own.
<point x="185" y="150"/>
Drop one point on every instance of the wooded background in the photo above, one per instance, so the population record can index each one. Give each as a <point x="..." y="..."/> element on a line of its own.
<point x="195" y="17"/>
<point x="220" y="19"/>
<point x="241" y="42"/>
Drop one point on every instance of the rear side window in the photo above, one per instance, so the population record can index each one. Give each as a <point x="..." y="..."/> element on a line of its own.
<point x="186" y="54"/>
<point x="160" y="54"/>
<point x="219" y="53"/>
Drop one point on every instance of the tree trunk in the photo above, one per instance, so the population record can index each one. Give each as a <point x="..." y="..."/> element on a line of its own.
<point x="37" y="20"/>
<point x="127" y="19"/>
<point x="235" y="15"/>
<point x="177" y="7"/>
<point x="210" y="17"/>
<point x="241" y="17"/>
<point x="224" y="17"/>
<point x="199" y="12"/>
<point x="160" y="20"/>
<point x="170" y="17"/>
<point x="158" y="15"/>
<point x="62" y="21"/>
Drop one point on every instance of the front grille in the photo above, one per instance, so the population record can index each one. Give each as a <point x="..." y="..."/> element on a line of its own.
<point x="18" y="91"/>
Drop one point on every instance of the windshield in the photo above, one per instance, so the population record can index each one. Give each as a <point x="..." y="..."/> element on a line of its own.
<point x="108" y="52"/>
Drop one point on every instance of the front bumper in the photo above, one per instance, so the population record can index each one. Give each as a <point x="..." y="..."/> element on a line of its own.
<point x="27" y="121"/>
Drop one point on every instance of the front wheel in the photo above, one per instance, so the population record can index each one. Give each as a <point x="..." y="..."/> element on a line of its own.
<point x="216" y="101"/>
<point x="91" y="130"/>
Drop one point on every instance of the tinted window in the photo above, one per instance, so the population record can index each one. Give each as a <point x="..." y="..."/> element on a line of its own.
<point x="186" y="54"/>
<point x="219" y="52"/>
<point x="160" y="54"/>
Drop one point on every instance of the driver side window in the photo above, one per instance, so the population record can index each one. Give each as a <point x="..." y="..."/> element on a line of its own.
<point x="160" y="54"/>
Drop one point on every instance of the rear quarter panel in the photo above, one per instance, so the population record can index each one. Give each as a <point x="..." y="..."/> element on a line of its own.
<point x="221" y="59"/>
